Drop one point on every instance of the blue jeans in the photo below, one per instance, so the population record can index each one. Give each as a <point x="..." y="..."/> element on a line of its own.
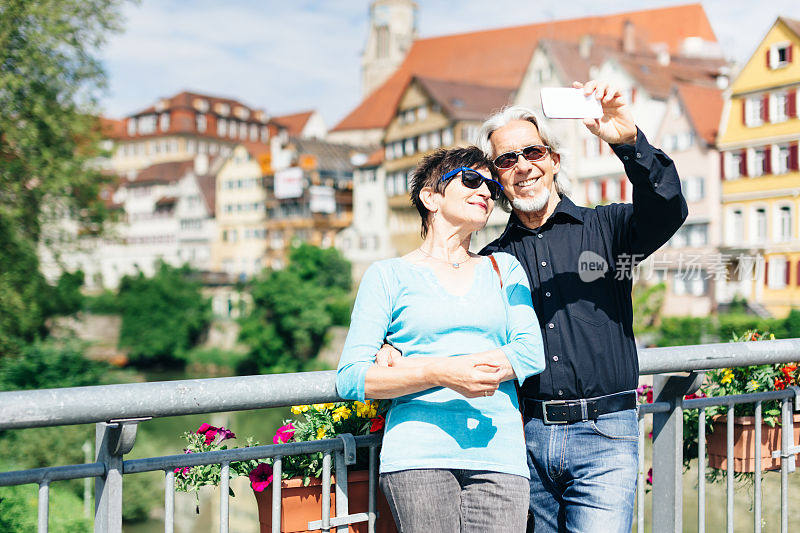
<point x="583" y="475"/>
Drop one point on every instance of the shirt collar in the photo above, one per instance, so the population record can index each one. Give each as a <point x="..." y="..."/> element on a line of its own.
<point x="565" y="207"/>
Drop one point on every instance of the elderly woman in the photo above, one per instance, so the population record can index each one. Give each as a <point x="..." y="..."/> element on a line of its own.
<point x="453" y="456"/>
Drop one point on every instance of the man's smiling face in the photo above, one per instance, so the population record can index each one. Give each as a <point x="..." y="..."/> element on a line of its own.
<point x="528" y="184"/>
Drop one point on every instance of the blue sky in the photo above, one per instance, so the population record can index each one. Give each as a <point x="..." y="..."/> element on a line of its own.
<point x="291" y="55"/>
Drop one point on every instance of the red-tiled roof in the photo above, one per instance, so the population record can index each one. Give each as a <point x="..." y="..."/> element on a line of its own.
<point x="168" y="172"/>
<point x="375" y="158"/>
<point x="112" y="128"/>
<point x="500" y="57"/>
<point x="208" y="188"/>
<point x="186" y="99"/>
<point x="294" y="123"/>
<point x="792" y="24"/>
<point x="465" y="101"/>
<point x="703" y="105"/>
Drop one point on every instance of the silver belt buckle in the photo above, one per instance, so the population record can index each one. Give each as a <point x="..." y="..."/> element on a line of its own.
<point x="544" y="411"/>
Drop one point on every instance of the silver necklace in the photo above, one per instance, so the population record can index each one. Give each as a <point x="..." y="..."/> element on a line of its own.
<point x="451" y="263"/>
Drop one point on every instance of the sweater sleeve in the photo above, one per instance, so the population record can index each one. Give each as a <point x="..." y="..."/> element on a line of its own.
<point x="525" y="349"/>
<point x="369" y="324"/>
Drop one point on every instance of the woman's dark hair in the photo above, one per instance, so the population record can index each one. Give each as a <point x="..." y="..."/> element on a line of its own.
<point x="430" y="170"/>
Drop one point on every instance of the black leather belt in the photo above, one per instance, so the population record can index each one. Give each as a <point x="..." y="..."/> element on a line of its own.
<point x="568" y="411"/>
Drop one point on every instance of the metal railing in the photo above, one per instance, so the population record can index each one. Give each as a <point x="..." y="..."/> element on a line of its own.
<point x="118" y="409"/>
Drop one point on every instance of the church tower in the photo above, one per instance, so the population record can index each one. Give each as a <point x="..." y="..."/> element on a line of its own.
<point x="392" y="29"/>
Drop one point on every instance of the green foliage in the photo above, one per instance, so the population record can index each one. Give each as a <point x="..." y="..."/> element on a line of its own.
<point x="46" y="365"/>
<point x="682" y="331"/>
<point x="49" y="82"/>
<point x="105" y="303"/>
<point x="213" y="361"/>
<point x="18" y="506"/>
<point x="647" y="302"/>
<point x="163" y="316"/>
<point x="67" y="298"/>
<point x="293" y="310"/>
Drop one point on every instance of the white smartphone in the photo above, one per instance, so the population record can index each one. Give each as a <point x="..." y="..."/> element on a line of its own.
<point x="567" y="102"/>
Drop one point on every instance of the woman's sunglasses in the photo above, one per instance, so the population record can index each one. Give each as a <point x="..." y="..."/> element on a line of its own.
<point x="507" y="160"/>
<point x="473" y="179"/>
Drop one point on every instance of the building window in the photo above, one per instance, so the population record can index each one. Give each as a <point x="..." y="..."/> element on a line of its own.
<point x="785" y="223"/>
<point x="447" y="137"/>
<point x="754" y="111"/>
<point x="777" y="270"/>
<point x="131" y="126"/>
<point x="592" y="148"/>
<point x="382" y="37"/>
<point x="760" y="225"/>
<point x="435" y="140"/>
<point x="778" y="102"/>
<point x="202" y="123"/>
<point x="736" y="228"/>
<point x="163" y="121"/>
<point x="469" y="133"/>
<point x="593" y="192"/>
<point x="759" y="162"/>
<point x="264" y="134"/>
<point x="147" y="124"/>
<point x="698" y="235"/>
<point x="693" y="188"/>
<point x="782" y="166"/>
<point x="779" y="55"/>
<point x="735" y="163"/>
<point x="409" y="147"/>
<point x="422" y="112"/>
<point x="222" y="127"/>
<point x="423" y="143"/>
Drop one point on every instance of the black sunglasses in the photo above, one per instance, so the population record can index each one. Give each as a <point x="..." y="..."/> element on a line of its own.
<point x="473" y="179"/>
<point x="534" y="152"/>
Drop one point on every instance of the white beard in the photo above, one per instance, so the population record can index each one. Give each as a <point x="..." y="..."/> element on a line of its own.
<point x="532" y="205"/>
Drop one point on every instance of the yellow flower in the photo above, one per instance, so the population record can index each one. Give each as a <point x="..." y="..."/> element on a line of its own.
<point x="320" y="433"/>
<point x="319" y="406"/>
<point x="363" y="409"/>
<point x="341" y="413"/>
<point x="297" y="409"/>
<point x="727" y="377"/>
<point x="329" y="405"/>
<point x="754" y="384"/>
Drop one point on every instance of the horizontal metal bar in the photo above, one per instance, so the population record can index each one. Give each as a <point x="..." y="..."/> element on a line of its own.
<point x="51" y="473"/>
<point x="655" y="407"/>
<point x="135" y="466"/>
<point x="84" y="405"/>
<point x="340" y="521"/>
<point x="753" y="397"/>
<point x="719" y="355"/>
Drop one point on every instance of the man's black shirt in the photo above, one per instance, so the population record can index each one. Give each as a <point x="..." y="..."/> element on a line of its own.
<point x="579" y="264"/>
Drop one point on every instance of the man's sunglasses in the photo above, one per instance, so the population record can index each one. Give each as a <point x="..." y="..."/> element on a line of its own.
<point x="473" y="179"/>
<point x="534" y="152"/>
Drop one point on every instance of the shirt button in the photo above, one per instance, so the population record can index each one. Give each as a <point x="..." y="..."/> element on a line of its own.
<point x="551" y="325"/>
<point x="544" y="263"/>
<point x="561" y="393"/>
<point x="555" y="358"/>
<point x="625" y="157"/>
<point x="539" y="235"/>
<point x="638" y="155"/>
<point x="547" y="294"/>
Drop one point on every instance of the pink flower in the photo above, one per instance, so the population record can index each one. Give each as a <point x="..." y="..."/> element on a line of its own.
<point x="182" y="471"/>
<point x="204" y="427"/>
<point x="226" y="434"/>
<point x="284" y="434"/>
<point x="649" y="479"/>
<point x="261" y="477"/>
<point x="213" y="432"/>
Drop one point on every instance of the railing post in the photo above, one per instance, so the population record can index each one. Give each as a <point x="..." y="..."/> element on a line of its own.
<point x="667" y="516"/>
<point x="113" y="439"/>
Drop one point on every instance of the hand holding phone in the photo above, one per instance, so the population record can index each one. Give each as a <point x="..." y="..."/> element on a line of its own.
<point x="568" y="102"/>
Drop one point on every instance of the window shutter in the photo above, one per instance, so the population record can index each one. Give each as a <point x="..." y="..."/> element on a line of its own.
<point x="603" y="189"/>
<point x="768" y="160"/>
<point x="769" y="64"/>
<point x="797" y="275"/>
<point x="765" y="108"/>
<point x="722" y="166"/>
<point x="623" y="186"/>
<point x="588" y="200"/>
<point x="791" y="104"/>
<point x="743" y="164"/>
<point x="793" y="156"/>
<point x="744" y="111"/>
<point x="766" y="273"/>
<point x="789" y="53"/>
<point x="788" y="271"/>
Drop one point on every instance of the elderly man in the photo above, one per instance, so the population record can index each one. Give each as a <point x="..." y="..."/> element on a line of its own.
<point x="580" y="413"/>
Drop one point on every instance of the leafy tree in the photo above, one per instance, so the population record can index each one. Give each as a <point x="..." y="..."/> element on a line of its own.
<point x="647" y="303"/>
<point x="47" y="365"/>
<point x="50" y="80"/>
<point x="293" y="310"/>
<point x="162" y="317"/>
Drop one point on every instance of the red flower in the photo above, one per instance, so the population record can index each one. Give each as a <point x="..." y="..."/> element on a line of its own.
<point x="284" y="434"/>
<point x="780" y="384"/>
<point x="649" y="479"/>
<point x="377" y="424"/>
<point x="261" y="477"/>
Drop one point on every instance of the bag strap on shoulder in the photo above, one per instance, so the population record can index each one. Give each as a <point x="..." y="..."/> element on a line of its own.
<point x="496" y="269"/>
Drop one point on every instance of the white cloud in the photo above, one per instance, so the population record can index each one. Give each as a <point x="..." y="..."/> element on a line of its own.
<point x="287" y="56"/>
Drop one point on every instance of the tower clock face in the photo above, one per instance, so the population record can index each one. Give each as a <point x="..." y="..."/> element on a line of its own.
<point x="382" y="15"/>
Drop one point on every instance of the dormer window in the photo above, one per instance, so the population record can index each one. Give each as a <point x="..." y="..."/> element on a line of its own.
<point x="779" y="55"/>
<point x="242" y="113"/>
<point x="200" y="104"/>
<point x="222" y="109"/>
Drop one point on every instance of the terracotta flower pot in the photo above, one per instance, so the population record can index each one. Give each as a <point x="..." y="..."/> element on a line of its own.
<point x="301" y="505"/>
<point x="744" y="435"/>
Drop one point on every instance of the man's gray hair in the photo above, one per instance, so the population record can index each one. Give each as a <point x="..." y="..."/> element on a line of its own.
<point x="516" y="112"/>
